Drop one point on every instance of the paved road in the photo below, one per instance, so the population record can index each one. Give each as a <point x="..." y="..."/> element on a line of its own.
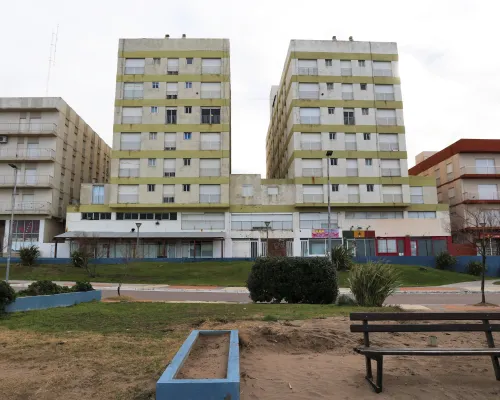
<point x="422" y="299"/>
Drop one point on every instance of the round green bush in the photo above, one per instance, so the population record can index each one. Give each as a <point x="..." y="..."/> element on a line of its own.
<point x="82" y="287"/>
<point x="445" y="260"/>
<point x="29" y="255"/>
<point x="7" y="295"/>
<point x="42" y="288"/>
<point x="311" y="280"/>
<point x="474" y="268"/>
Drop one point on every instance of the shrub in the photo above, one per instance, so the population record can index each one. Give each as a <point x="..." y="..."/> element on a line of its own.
<point x="7" y="295"/>
<point x="346" y="300"/>
<point x="373" y="282"/>
<point x="311" y="280"/>
<point x="342" y="258"/>
<point x="41" y="288"/>
<point x="78" y="259"/>
<point x="82" y="287"/>
<point x="475" y="268"/>
<point x="29" y="255"/>
<point x="445" y="260"/>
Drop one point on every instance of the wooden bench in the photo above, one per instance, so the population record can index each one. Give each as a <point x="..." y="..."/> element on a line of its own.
<point x="378" y="353"/>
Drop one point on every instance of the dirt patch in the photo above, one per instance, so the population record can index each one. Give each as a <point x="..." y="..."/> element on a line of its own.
<point x="208" y="358"/>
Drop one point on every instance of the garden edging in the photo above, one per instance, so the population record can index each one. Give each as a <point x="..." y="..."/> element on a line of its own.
<point x="50" y="301"/>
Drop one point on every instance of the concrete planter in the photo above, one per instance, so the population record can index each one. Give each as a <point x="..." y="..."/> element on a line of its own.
<point x="169" y="387"/>
<point x="51" y="301"/>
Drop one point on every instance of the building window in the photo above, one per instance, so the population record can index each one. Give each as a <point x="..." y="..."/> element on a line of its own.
<point x="329" y="86"/>
<point x="368" y="162"/>
<point x="151" y="187"/>
<point x="272" y="191"/>
<point x="421" y="214"/>
<point x="328" y="63"/>
<point x="451" y="193"/>
<point x="156" y="61"/>
<point x="186" y="161"/>
<point x="98" y="194"/>
<point x="189" y="61"/>
<point x="187" y="135"/>
<point x="362" y="86"/>
<point x="334" y="161"/>
<point x="365" y="111"/>
<point x="361" y="63"/>
<point x="155" y="85"/>
<point x="370" y="187"/>
<point x="171" y="116"/>
<point x="96" y="215"/>
<point x="349" y="117"/>
<point x="387" y="246"/>
<point x="151" y="162"/>
<point x="335" y="187"/>
<point x="331" y="110"/>
<point x="189" y="85"/>
<point x="154" y="109"/>
<point x="153" y="135"/>
<point x="24" y="232"/>
<point x="186" y="187"/>
<point x="367" y="136"/>
<point x="332" y="135"/>
<point x="188" y="110"/>
<point x="247" y="190"/>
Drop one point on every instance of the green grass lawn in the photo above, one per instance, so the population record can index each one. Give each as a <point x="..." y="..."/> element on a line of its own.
<point x="205" y="273"/>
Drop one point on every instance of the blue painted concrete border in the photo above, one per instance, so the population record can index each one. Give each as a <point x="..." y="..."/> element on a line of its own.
<point x="170" y="388"/>
<point x="56" y="300"/>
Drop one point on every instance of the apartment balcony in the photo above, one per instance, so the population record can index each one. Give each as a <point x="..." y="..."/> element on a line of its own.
<point x="209" y="171"/>
<point x="351" y="172"/>
<point x="346" y="71"/>
<point x="210" y="145"/>
<point x="28" y="207"/>
<point x="347" y="96"/>
<point x="28" y="129"/>
<point x="351" y="146"/>
<point x="310" y="145"/>
<point x="130" y="145"/>
<point x="494" y="172"/>
<point x="416" y="199"/>
<point x="133" y="94"/>
<point x="210" y="119"/>
<point x="310" y="120"/>
<point x="128" y="173"/>
<point x="353" y="198"/>
<point x="382" y="72"/>
<point x="168" y="199"/>
<point x="172" y="94"/>
<point x="171" y="120"/>
<point x="209" y="198"/>
<point x="392" y="198"/>
<point x="211" y="70"/>
<point x="384" y="96"/>
<point x="308" y="71"/>
<point x="128" y="198"/>
<point x="313" y="198"/>
<point x="308" y="94"/>
<point x="210" y="94"/>
<point x="27" y="154"/>
<point x="480" y="197"/>
<point x="312" y="172"/>
<point x="134" y="70"/>
<point x="349" y="120"/>
<point x="170" y="145"/>
<point x="28" y="180"/>
<point x="388" y="146"/>
<point x="169" y="173"/>
<point x="131" y="120"/>
<point x="387" y="121"/>
<point x="173" y="70"/>
<point x="391" y="171"/>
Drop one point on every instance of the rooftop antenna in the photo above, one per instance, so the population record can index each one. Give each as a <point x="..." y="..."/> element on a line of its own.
<point x="52" y="57"/>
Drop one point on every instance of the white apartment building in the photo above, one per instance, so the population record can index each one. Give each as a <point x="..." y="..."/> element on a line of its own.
<point x="54" y="152"/>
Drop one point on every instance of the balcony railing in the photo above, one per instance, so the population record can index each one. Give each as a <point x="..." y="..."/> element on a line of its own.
<point x="482" y="195"/>
<point x="27" y="154"/>
<point x="312" y="172"/>
<point x="170" y="145"/>
<point x="480" y="170"/>
<point x="173" y="70"/>
<point x="169" y="173"/>
<point x="133" y="94"/>
<point x="210" y="94"/>
<point x="382" y="72"/>
<point x="134" y="70"/>
<point x="387" y="121"/>
<point x="32" y="128"/>
<point x="313" y="198"/>
<point x="171" y="94"/>
<point x="347" y="96"/>
<point x="29" y="207"/>
<point x="392" y="198"/>
<point x="346" y="71"/>
<point x="310" y="145"/>
<point x="210" y="119"/>
<point x="308" y="71"/>
<point x="391" y="171"/>
<point x="168" y="199"/>
<point x="210" y="145"/>
<point x="351" y="172"/>
<point x="211" y="70"/>
<point x="128" y="198"/>
<point x="209" y="198"/>
<point x="209" y="171"/>
<point x="353" y="198"/>
<point x="27" y="180"/>
<point x="131" y="120"/>
<point x="417" y="199"/>
<point x="384" y="96"/>
<point x="128" y="172"/>
<point x="130" y="145"/>
<point x="308" y="94"/>
<point x="309" y="120"/>
<point x="388" y="146"/>
<point x="351" y="146"/>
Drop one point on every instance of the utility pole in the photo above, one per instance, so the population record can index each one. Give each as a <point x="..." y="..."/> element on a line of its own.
<point x="267" y="237"/>
<point x="138" y="224"/>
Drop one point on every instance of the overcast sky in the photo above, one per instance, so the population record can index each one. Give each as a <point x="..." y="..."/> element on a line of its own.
<point x="449" y="62"/>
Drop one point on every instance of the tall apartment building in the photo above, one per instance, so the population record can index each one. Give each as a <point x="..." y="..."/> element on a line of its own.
<point x="467" y="175"/>
<point x="54" y="152"/>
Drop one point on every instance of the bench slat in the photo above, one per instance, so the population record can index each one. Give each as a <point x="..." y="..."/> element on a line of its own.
<point x="426" y="351"/>
<point x="428" y="316"/>
<point x="427" y="328"/>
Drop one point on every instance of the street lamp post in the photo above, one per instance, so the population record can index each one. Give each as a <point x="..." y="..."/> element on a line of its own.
<point x="138" y="224"/>
<point x="11" y="224"/>
<point x="329" y="154"/>
<point x="267" y="237"/>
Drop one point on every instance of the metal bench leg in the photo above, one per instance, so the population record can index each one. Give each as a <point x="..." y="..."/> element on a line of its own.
<point x="369" y="377"/>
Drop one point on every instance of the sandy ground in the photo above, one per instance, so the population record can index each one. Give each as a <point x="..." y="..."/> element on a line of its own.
<point x="279" y="361"/>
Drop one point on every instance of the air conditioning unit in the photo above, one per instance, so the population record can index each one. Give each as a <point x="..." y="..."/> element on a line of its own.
<point x="3" y="139"/>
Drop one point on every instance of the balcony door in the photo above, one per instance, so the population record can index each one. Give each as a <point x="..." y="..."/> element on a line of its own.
<point x="485" y="166"/>
<point x="27" y="202"/>
<point x="30" y="176"/>
<point x="32" y="150"/>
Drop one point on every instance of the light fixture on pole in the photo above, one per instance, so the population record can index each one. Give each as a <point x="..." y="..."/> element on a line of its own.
<point x="11" y="224"/>
<point x="138" y="224"/>
<point x="267" y="237"/>
<point x="329" y="155"/>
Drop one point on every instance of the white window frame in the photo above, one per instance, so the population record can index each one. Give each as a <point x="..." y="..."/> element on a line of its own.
<point x="186" y="187"/>
<point x="332" y="135"/>
<point x="151" y="162"/>
<point x="153" y="135"/>
<point x="368" y="162"/>
<point x="328" y="62"/>
<point x="151" y="187"/>
<point x="189" y="85"/>
<point x="186" y="162"/>
<point x="155" y="85"/>
<point x="367" y="136"/>
<point x="154" y="109"/>
<point x="188" y="135"/>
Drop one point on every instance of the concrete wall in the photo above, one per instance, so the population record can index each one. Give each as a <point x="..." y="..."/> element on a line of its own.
<point x="52" y="301"/>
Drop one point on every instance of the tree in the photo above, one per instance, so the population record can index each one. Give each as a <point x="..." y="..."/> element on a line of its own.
<point x="88" y="248"/>
<point x="476" y="226"/>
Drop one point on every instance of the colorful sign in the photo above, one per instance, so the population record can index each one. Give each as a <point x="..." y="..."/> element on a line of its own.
<point x="323" y="233"/>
